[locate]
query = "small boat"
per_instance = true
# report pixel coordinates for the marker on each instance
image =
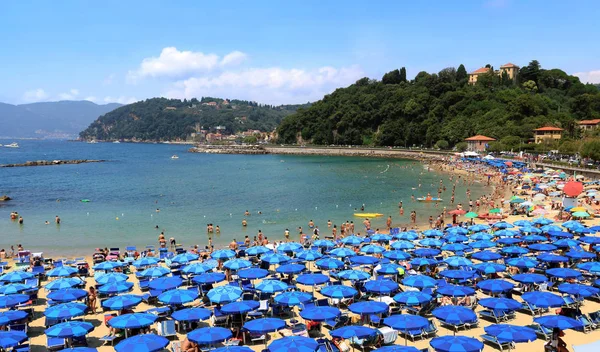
(116, 142)
(12, 145)
(429, 199)
(368, 215)
(93, 141)
(174, 157)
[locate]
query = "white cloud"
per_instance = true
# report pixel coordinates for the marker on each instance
(270, 85)
(35, 95)
(588, 77)
(70, 95)
(109, 79)
(179, 64)
(92, 98)
(121, 99)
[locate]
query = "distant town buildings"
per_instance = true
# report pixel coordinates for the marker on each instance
(547, 133)
(510, 69)
(478, 143)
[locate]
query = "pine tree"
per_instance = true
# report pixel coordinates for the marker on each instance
(403, 74)
(461, 73)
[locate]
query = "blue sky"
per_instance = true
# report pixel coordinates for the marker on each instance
(273, 51)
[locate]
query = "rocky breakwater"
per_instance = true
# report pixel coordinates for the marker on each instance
(228, 149)
(52, 162)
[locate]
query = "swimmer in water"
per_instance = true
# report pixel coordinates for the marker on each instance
(157, 210)
(311, 224)
(244, 223)
(247, 213)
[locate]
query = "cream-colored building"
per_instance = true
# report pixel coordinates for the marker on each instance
(587, 125)
(547, 133)
(478, 143)
(511, 70)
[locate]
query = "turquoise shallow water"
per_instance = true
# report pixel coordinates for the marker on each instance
(192, 191)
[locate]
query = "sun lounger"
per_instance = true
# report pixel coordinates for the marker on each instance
(108, 338)
(595, 317)
(493, 340)
(545, 333)
(55, 343)
(587, 323)
(166, 328)
(22, 348)
(430, 330)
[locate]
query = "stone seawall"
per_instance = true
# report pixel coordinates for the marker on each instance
(52, 162)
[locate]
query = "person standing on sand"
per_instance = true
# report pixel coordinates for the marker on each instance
(413, 217)
(92, 299)
(389, 222)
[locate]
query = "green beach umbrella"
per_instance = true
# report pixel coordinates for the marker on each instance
(495, 211)
(517, 200)
(581, 214)
(471, 215)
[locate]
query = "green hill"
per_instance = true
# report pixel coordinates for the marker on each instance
(162, 119)
(442, 108)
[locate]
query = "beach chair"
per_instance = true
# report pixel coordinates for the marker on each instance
(143, 284)
(219, 318)
(413, 334)
(595, 317)
(322, 347)
(587, 323)
(79, 341)
(18, 327)
(175, 346)
(430, 330)
(38, 271)
(570, 302)
(263, 307)
(545, 333)
(55, 343)
(109, 338)
(22, 348)
(34, 282)
(166, 328)
(501, 345)
(531, 309)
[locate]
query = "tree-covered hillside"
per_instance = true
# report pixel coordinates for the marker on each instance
(443, 109)
(161, 119)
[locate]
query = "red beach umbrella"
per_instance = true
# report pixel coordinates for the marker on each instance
(508, 163)
(457, 212)
(573, 189)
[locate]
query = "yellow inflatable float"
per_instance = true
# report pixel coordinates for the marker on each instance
(368, 215)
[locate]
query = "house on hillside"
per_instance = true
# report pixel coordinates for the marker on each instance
(478, 143)
(547, 133)
(212, 103)
(511, 70)
(170, 108)
(588, 125)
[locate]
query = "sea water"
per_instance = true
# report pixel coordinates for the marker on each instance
(140, 187)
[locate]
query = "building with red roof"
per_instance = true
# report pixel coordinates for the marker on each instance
(587, 125)
(478, 143)
(547, 133)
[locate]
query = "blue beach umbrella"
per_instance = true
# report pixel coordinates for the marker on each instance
(549, 228)
(486, 256)
(503, 304)
(156, 271)
(578, 290)
(563, 273)
(530, 229)
(293, 344)
(372, 249)
(67, 295)
(132, 321)
(195, 269)
(503, 225)
(419, 281)
(363, 260)
(405, 322)
(142, 343)
(509, 241)
(457, 231)
(390, 269)
(456, 247)
(381, 286)
(165, 283)
(592, 267)
(11, 316)
(368, 307)
(431, 242)
(458, 274)
(514, 250)
(423, 261)
(489, 268)
(178, 296)
(412, 298)
(257, 250)
(324, 244)
(111, 278)
(61, 284)
(312, 279)
(352, 240)
(117, 287)
(456, 344)
(121, 302)
(275, 258)
(16, 276)
(223, 254)
(348, 332)
(505, 233)
(566, 243)
(543, 299)
(523, 263)
(342, 252)
(495, 286)
(329, 263)
(309, 255)
(381, 237)
(145, 262)
(253, 273)
(61, 271)
(12, 338)
(224, 294)
(291, 268)
(320, 313)
(289, 247)
(65, 311)
(209, 278)
(293, 298)
(480, 236)
(578, 255)
(69, 329)
(11, 289)
(396, 255)
(478, 227)
(339, 291)
(552, 258)
(400, 245)
(406, 236)
(10, 301)
(264, 325)
(456, 239)
(455, 315)
(542, 247)
(506, 333)
(107, 266)
(542, 221)
(571, 224)
(272, 286)
(560, 234)
(590, 239)
(354, 275)
(433, 233)
(455, 291)
(521, 223)
(237, 264)
(530, 278)
(426, 252)
(191, 314)
(457, 261)
(558, 321)
(184, 258)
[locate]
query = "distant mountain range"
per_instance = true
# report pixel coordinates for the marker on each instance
(60, 119)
